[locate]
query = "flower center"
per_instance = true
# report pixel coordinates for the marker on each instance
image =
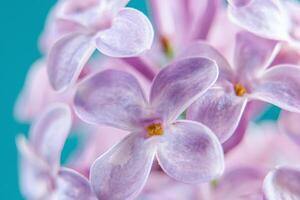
(155, 129)
(167, 47)
(239, 89)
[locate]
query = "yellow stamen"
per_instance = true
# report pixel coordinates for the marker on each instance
(155, 129)
(239, 90)
(167, 47)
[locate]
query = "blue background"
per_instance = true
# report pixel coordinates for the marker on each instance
(21, 24)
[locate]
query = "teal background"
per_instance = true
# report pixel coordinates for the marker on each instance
(21, 23)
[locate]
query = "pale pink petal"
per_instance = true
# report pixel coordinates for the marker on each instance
(265, 18)
(289, 124)
(280, 85)
(70, 185)
(112, 98)
(172, 20)
(35, 182)
(178, 85)
(160, 186)
(191, 153)
(122, 172)
(239, 184)
(36, 89)
(204, 15)
(220, 110)
(85, 13)
(253, 54)
(282, 183)
(67, 58)
(131, 34)
(50, 131)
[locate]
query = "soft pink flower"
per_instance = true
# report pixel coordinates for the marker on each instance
(40, 171)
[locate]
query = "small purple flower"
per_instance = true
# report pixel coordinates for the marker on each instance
(40, 171)
(103, 24)
(272, 19)
(282, 183)
(251, 78)
(186, 150)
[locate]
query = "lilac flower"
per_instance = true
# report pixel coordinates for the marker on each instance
(251, 78)
(271, 19)
(40, 171)
(115, 31)
(186, 150)
(282, 183)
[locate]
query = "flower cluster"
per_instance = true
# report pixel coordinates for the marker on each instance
(164, 111)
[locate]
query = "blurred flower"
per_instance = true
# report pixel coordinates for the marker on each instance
(41, 174)
(272, 19)
(289, 124)
(186, 150)
(264, 148)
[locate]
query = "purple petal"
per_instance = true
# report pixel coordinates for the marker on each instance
(282, 183)
(178, 85)
(203, 49)
(122, 172)
(67, 58)
(280, 85)
(289, 124)
(50, 131)
(131, 34)
(191, 153)
(253, 54)
(112, 98)
(220, 110)
(70, 185)
(265, 18)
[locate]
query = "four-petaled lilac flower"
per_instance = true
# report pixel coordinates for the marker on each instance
(251, 78)
(282, 183)
(186, 150)
(40, 171)
(103, 24)
(270, 19)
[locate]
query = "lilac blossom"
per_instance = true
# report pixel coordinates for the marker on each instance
(40, 171)
(272, 19)
(106, 25)
(250, 78)
(186, 150)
